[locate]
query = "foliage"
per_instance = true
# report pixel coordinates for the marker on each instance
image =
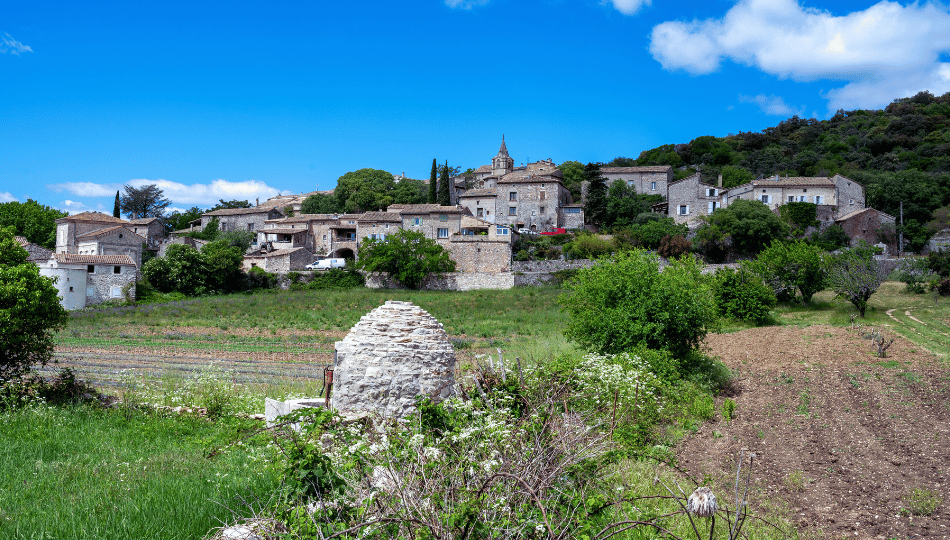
(180, 270)
(855, 274)
(915, 274)
(624, 204)
(922, 501)
(539, 247)
(648, 233)
(672, 247)
(728, 410)
(938, 262)
(409, 191)
(228, 205)
(30, 312)
(573, 172)
(735, 176)
(595, 208)
(832, 238)
(117, 208)
(221, 265)
(943, 287)
(31, 220)
(320, 203)
(364, 190)
(749, 225)
(587, 246)
(337, 278)
(799, 215)
(433, 182)
(143, 202)
(258, 278)
(443, 196)
(741, 294)
(621, 303)
(238, 238)
(209, 232)
(178, 221)
(407, 256)
(791, 268)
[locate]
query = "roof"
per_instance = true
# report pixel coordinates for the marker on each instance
(21, 240)
(782, 181)
(645, 169)
(107, 230)
(303, 218)
(381, 216)
(275, 253)
(93, 216)
(483, 169)
(143, 221)
(529, 177)
(282, 230)
(121, 260)
(34, 252)
(424, 209)
(850, 215)
(239, 211)
(503, 150)
(482, 192)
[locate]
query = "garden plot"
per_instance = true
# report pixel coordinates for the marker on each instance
(858, 446)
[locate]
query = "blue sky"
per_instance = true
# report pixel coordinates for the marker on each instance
(242, 100)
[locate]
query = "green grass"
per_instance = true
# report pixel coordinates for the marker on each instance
(87, 474)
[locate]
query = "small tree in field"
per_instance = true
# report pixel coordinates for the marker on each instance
(790, 268)
(625, 302)
(855, 274)
(30, 311)
(407, 256)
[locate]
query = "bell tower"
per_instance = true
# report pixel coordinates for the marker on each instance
(502, 164)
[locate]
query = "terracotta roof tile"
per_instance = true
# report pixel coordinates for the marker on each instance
(107, 230)
(94, 259)
(381, 216)
(483, 192)
(93, 216)
(645, 169)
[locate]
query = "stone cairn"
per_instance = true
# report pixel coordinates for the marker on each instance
(394, 354)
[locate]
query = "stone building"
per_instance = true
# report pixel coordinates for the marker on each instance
(940, 241)
(241, 219)
(650, 180)
(85, 280)
(35, 253)
(377, 225)
(572, 216)
(394, 355)
(689, 199)
(95, 233)
(279, 260)
(870, 225)
(149, 228)
(434, 221)
(843, 194)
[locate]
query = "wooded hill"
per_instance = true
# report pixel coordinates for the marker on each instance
(900, 154)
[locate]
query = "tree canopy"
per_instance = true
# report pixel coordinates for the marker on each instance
(748, 226)
(407, 256)
(31, 220)
(573, 178)
(596, 207)
(320, 203)
(143, 202)
(364, 190)
(30, 312)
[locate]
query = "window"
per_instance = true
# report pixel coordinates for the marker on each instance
(684, 209)
(713, 205)
(250, 226)
(711, 192)
(542, 185)
(478, 212)
(443, 217)
(818, 199)
(652, 186)
(572, 210)
(765, 199)
(802, 198)
(543, 193)
(502, 231)
(852, 201)
(513, 196)
(115, 292)
(324, 238)
(443, 233)
(70, 289)
(417, 221)
(120, 235)
(91, 268)
(791, 198)
(116, 269)
(805, 190)
(541, 210)
(387, 226)
(512, 210)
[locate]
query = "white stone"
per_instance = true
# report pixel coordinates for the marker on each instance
(273, 409)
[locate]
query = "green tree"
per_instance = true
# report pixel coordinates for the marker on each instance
(791, 268)
(626, 302)
(143, 202)
(177, 221)
(407, 256)
(433, 179)
(409, 191)
(595, 208)
(180, 270)
(733, 176)
(364, 190)
(227, 205)
(239, 238)
(320, 203)
(445, 178)
(573, 172)
(221, 264)
(30, 311)
(741, 294)
(855, 275)
(749, 225)
(117, 208)
(31, 220)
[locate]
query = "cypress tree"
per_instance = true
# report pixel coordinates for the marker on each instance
(432, 180)
(444, 198)
(116, 210)
(595, 206)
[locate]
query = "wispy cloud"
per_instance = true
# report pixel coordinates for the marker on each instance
(627, 7)
(202, 195)
(883, 52)
(5, 196)
(465, 4)
(12, 46)
(772, 104)
(75, 207)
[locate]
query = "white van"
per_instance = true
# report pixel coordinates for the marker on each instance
(326, 264)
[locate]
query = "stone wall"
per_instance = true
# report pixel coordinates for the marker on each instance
(455, 281)
(550, 266)
(100, 284)
(476, 254)
(694, 195)
(850, 195)
(537, 204)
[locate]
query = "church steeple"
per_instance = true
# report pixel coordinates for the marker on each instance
(502, 164)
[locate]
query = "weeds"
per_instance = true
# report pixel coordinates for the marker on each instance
(921, 501)
(795, 481)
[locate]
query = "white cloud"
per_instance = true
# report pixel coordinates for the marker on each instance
(76, 207)
(465, 4)
(627, 7)
(5, 196)
(772, 104)
(884, 52)
(12, 46)
(202, 195)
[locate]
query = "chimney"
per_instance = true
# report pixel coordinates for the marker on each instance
(719, 183)
(258, 201)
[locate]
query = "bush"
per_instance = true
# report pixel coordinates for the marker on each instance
(407, 256)
(791, 268)
(587, 246)
(938, 262)
(832, 238)
(915, 274)
(337, 278)
(943, 287)
(855, 274)
(749, 225)
(258, 278)
(673, 247)
(742, 295)
(626, 302)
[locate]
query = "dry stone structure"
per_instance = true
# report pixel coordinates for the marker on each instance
(395, 353)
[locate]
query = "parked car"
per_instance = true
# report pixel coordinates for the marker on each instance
(526, 231)
(555, 231)
(326, 264)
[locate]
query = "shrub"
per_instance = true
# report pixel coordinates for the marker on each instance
(587, 246)
(258, 278)
(790, 268)
(915, 274)
(855, 274)
(939, 262)
(337, 278)
(407, 256)
(749, 225)
(728, 410)
(619, 304)
(672, 247)
(943, 287)
(741, 294)
(833, 238)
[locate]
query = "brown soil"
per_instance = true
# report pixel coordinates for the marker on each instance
(841, 436)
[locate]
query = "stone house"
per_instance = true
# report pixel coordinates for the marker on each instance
(85, 280)
(650, 180)
(940, 241)
(481, 246)
(187, 240)
(434, 221)
(480, 202)
(572, 216)
(377, 225)
(689, 199)
(95, 233)
(870, 225)
(843, 194)
(241, 219)
(151, 229)
(281, 260)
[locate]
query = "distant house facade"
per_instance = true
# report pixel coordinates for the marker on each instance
(241, 219)
(85, 280)
(94, 233)
(871, 226)
(689, 199)
(649, 180)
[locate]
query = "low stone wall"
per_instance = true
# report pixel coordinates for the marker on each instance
(550, 266)
(455, 281)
